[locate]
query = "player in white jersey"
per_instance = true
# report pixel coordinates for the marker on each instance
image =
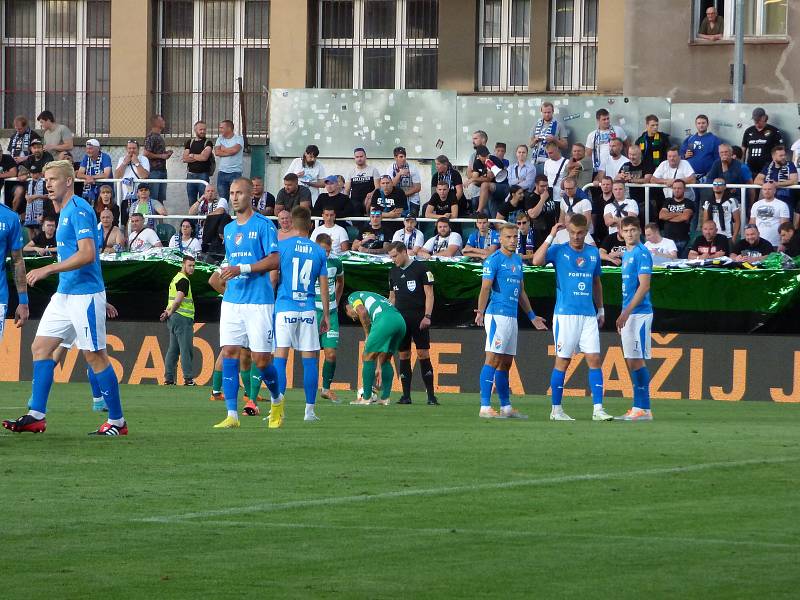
(303, 263)
(76, 311)
(246, 314)
(578, 313)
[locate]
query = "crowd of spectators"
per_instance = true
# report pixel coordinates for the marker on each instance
(541, 183)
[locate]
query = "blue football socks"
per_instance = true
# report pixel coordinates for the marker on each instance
(487, 381)
(557, 386)
(503, 387)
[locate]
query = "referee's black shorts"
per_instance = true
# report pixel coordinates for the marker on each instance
(421, 337)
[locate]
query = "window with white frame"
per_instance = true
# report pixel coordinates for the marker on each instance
(204, 47)
(573, 45)
(504, 44)
(377, 44)
(762, 18)
(56, 56)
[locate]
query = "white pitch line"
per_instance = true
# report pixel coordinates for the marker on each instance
(495, 533)
(464, 489)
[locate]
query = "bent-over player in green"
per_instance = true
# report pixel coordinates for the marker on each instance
(384, 328)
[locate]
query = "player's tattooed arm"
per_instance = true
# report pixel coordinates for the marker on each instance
(19, 271)
(22, 312)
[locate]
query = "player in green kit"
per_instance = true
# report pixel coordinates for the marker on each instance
(385, 328)
(329, 341)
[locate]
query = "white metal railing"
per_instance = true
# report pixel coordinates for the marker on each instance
(742, 187)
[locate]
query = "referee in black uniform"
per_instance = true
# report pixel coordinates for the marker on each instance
(411, 292)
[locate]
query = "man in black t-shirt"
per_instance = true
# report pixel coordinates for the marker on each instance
(758, 141)
(514, 204)
(752, 248)
(391, 200)
(677, 215)
(360, 183)
(790, 239)
(374, 238)
(332, 198)
(542, 209)
(411, 292)
(197, 154)
(8, 168)
(612, 249)
(44, 242)
(711, 244)
(636, 171)
(443, 203)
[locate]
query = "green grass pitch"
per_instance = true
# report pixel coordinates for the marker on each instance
(399, 501)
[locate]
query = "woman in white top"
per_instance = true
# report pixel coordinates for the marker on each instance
(185, 241)
(310, 172)
(132, 166)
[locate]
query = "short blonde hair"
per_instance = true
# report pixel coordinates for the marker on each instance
(505, 226)
(64, 167)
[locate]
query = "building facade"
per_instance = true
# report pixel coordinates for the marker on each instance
(104, 66)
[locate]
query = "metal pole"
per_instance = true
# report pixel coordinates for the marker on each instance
(738, 53)
(646, 204)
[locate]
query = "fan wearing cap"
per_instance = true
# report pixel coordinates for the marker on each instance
(332, 198)
(95, 165)
(142, 204)
(374, 238)
(30, 170)
(759, 139)
(412, 238)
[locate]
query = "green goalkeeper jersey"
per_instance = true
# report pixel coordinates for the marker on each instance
(335, 269)
(377, 306)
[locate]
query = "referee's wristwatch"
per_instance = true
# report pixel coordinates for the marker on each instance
(426, 317)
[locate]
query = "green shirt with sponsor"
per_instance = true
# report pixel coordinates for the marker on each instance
(377, 306)
(335, 269)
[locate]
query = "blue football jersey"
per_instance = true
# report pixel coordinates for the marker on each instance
(77, 221)
(636, 262)
(505, 272)
(10, 240)
(575, 273)
(476, 240)
(247, 244)
(302, 263)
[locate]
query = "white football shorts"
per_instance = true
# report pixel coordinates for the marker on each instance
(636, 336)
(298, 330)
(501, 334)
(576, 333)
(76, 317)
(247, 325)
(3, 309)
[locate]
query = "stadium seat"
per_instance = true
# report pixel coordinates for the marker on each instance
(165, 231)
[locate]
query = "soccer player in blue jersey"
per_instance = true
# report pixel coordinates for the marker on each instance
(503, 290)
(579, 311)
(636, 319)
(78, 308)
(11, 243)
(303, 263)
(247, 310)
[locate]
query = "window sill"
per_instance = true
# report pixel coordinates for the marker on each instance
(731, 41)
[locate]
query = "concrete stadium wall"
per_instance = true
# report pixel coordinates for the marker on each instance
(717, 367)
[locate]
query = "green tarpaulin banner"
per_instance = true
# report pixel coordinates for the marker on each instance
(685, 299)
